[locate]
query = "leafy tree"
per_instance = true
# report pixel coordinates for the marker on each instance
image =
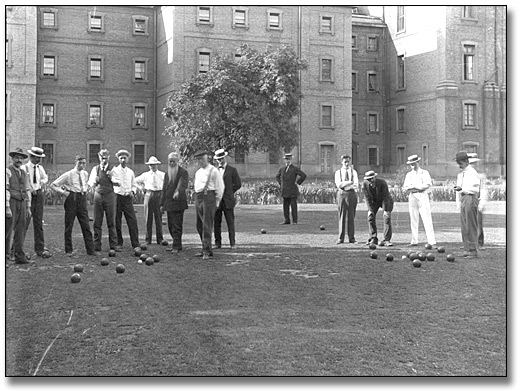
(249, 104)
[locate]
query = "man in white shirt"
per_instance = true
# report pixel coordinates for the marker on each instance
(209, 188)
(467, 190)
(125, 189)
(347, 183)
(416, 184)
(73, 185)
(152, 183)
(482, 196)
(37, 178)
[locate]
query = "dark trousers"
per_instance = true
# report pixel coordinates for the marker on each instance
(152, 208)
(37, 206)
(76, 207)
(287, 203)
(230, 218)
(15, 229)
(372, 225)
(205, 212)
(480, 216)
(346, 206)
(468, 222)
(175, 225)
(125, 207)
(104, 204)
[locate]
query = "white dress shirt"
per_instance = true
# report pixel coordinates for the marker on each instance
(151, 180)
(417, 179)
(124, 177)
(41, 176)
(346, 175)
(73, 181)
(215, 181)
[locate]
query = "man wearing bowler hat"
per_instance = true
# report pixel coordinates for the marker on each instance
(104, 201)
(347, 183)
(18, 206)
(37, 178)
(416, 185)
(125, 189)
(482, 196)
(289, 177)
(467, 190)
(377, 195)
(232, 184)
(152, 183)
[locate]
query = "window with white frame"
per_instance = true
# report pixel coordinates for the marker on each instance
(8, 105)
(48, 114)
(373, 156)
(372, 122)
(9, 51)
(48, 64)
(469, 12)
(239, 17)
(327, 158)
(95, 114)
(372, 43)
(96, 22)
(401, 25)
(274, 19)
(326, 24)
(48, 147)
(139, 115)
(93, 148)
(326, 69)
(372, 81)
(204, 15)
(48, 18)
(95, 66)
(355, 85)
(326, 115)
(139, 153)
(401, 85)
(469, 62)
(401, 154)
(469, 114)
(140, 70)
(400, 124)
(140, 25)
(203, 60)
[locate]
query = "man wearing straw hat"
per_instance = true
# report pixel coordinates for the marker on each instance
(482, 196)
(125, 189)
(152, 183)
(416, 184)
(467, 190)
(37, 178)
(104, 201)
(232, 184)
(377, 195)
(18, 206)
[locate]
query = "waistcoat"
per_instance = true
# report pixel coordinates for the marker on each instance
(17, 184)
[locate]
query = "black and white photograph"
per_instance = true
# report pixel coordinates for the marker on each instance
(228, 192)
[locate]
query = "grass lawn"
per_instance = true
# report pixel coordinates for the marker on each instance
(286, 303)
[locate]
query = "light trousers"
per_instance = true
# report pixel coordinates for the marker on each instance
(419, 204)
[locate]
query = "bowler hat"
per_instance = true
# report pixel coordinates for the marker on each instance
(473, 157)
(123, 152)
(153, 161)
(221, 153)
(369, 174)
(412, 159)
(461, 156)
(37, 152)
(200, 153)
(18, 151)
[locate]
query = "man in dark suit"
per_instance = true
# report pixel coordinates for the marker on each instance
(232, 184)
(288, 178)
(174, 199)
(376, 195)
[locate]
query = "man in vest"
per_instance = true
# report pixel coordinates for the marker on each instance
(152, 182)
(347, 183)
(289, 177)
(37, 178)
(104, 201)
(18, 206)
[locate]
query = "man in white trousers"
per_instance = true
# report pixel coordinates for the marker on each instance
(416, 184)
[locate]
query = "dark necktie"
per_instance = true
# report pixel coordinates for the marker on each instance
(81, 182)
(34, 173)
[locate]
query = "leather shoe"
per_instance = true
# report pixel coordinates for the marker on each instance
(284, 223)
(200, 254)
(339, 242)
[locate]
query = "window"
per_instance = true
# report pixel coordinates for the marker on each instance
(355, 86)
(273, 157)
(239, 155)
(470, 147)
(401, 155)
(204, 15)
(469, 120)
(95, 66)
(139, 153)
(239, 17)
(49, 153)
(372, 81)
(203, 60)
(355, 129)
(274, 19)
(327, 153)
(139, 115)
(400, 19)
(354, 42)
(326, 73)
(92, 153)
(8, 105)
(372, 122)
(140, 70)
(400, 120)
(95, 114)
(469, 12)
(48, 114)
(469, 65)
(48, 18)
(326, 116)
(9, 51)
(373, 156)
(400, 72)
(48, 66)
(96, 22)
(372, 43)
(327, 24)
(140, 25)
(424, 155)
